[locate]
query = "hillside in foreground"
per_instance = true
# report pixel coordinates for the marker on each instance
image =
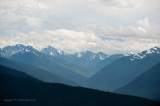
(19, 87)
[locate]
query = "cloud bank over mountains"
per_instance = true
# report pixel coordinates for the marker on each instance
(110, 26)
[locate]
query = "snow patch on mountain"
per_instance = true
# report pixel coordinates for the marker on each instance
(143, 54)
(101, 58)
(93, 57)
(79, 55)
(11, 50)
(27, 50)
(85, 55)
(52, 51)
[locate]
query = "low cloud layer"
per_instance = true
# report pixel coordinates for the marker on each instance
(75, 41)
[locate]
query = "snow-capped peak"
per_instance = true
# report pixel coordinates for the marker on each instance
(90, 56)
(153, 50)
(29, 49)
(52, 51)
(60, 52)
(19, 48)
(101, 58)
(143, 54)
(101, 55)
(93, 57)
(10, 50)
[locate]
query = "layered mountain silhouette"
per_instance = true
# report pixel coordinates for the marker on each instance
(145, 85)
(36, 72)
(84, 59)
(20, 89)
(93, 62)
(107, 61)
(124, 70)
(33, 57)
(123, 74)
(80, 65)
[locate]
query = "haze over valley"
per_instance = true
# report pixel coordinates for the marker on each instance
(80, 52)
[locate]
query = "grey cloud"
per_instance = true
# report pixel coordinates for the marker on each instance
(75, 41)
(81, 24)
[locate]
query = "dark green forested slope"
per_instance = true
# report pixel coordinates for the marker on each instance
(19, 86)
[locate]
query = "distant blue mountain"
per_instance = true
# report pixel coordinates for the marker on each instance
(84, 63)
(35, 72)
(86, 55)
(92, 62)
(31, 56)
(107, 61)
(146, 85)
(52, 51)
(124, 70)
(20, 89)
(87, 63)
(10, 50)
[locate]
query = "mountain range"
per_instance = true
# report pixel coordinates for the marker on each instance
(36, 72)
(114, 73)
(20, 89)
(85, 63)
(93, 62)
(124, 70)
(30, 56)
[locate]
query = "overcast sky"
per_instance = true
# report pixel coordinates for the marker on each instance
(110, 26)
